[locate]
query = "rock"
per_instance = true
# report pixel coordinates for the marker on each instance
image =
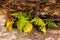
(54, 31)
(49, 38)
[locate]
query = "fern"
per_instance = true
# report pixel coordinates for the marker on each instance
(24, 22)
(22, 19)
(20, 24)
(20, 15)
(50, 24)
(40, 23)
(28, 27)
(9, 24)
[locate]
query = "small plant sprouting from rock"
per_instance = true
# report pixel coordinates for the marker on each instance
(9, 23)
(50, 24)
(40, 23)
(24, 22)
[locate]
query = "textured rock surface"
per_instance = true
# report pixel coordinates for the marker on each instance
(32, 6)
(34, 35)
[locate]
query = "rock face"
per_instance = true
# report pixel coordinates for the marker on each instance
(34, 35)
(34, 7)
(11, 35)
(3, 13)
